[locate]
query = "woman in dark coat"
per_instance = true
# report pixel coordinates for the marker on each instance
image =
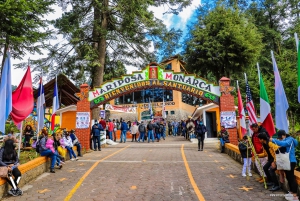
(9, 159)
(28, 133)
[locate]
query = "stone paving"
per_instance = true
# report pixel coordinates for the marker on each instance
(149, 172)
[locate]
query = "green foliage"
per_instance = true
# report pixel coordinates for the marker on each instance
(102, 35)
(22, 28)
(224, 42)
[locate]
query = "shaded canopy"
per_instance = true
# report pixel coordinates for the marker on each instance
(66, 91)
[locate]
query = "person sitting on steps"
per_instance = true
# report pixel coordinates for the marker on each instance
(224, 138)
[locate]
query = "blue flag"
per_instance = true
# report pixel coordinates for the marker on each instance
(281, 103)
(5, 93)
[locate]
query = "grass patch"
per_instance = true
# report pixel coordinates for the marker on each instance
(26, 156)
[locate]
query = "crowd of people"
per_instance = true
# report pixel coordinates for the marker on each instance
(142, 131)
(268, 150)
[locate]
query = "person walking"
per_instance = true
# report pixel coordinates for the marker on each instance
(124, 129)
(96, 129)
(142, 131)
(289, 143)
(269, 168)
(200, 132)
(190, 127)
(150, 131)
(134, 130)
(9, 158)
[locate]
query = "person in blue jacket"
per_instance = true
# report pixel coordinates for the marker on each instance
(124, 129)
(289, 143)
(96, 134)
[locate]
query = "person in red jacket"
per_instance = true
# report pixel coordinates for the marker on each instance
(110, 129)
(259, 148)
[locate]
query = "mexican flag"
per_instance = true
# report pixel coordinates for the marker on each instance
(265, 109)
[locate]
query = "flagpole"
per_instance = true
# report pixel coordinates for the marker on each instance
(297, 40)
(39, 113)
(19, 148)
(258, 71)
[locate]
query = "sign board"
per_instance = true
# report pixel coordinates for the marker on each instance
(102, 114)
(228, 119)
(117, 108)
(154, 76)
(82, 120)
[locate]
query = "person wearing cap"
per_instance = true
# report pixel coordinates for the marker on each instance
(270, 167)
(259, 148)
(289, 143)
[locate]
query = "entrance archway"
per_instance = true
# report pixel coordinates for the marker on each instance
(154, 76)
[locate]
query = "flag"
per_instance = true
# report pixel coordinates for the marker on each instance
(55, 105)
(5, 93)
(40, 106)
(150, 109)
(298, 64)
(281, 103)
(265, 109)
(22, 99)
(241, 112)
(249, 104)
(164, 109)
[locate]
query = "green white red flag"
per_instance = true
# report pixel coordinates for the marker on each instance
(265, 109)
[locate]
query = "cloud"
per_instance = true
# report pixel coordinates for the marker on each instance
(179, 21)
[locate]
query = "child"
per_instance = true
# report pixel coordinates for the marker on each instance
(49, 144)
(246, 155)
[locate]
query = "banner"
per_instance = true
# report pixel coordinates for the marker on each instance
(117, 108)
(228, 119)
(102, 114)
(82, 119)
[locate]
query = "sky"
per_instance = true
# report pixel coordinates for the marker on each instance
(179, 21)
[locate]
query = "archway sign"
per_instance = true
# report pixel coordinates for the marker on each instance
(154, 76)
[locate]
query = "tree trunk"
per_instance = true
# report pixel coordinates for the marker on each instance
(99, 71)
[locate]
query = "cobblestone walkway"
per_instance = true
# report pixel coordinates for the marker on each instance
(134, 171)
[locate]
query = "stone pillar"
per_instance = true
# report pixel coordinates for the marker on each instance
(227, 105)
(83, 105)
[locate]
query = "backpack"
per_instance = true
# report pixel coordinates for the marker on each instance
(118, 126)
(150, 126)
(37, 146)
(142, 128)
(160, 128)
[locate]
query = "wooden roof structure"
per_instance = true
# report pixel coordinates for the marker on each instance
(66, 91)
